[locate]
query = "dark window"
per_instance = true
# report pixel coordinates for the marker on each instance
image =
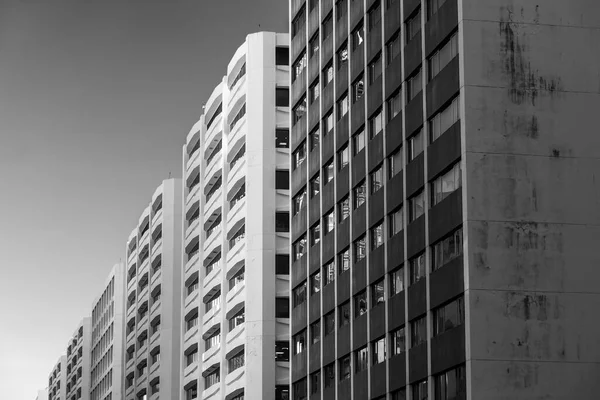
(344, 261)
(396, 281)
(413, 25)
(358, 36)
(361, 359)
(432, 7)
(358, 89)
(315, 185)
(282, 138)
(282, 179)
(299, 111)
(282, 307)
(416, 206)
(450, 385)
(300, 391)
(315, 137)
(418, 331)
(315, 283)
(315, 382)
(378, 350)
(344, 314)
(313, 4)
(329, 375)
(313, 46)
(344, 368)
(299, 294)
(315, 332)
(416, 268)
(419, 390)
(327, 26)
(298, 67)
(299, 22)
(375, 69)
(413, 86)
(448, 316)
(328, 172)
(374, 15)
(360, 304)
(328, 273)
(398, 341)
(282, 392)
(328, 323)
(392, 49)
(342, 56)
(299, 342)
(282, 97)
(282, 221)
(282, 56)
(377, 293)
(282, 264)
(315, 234)
(447, 249)
(282, 350)
(341, 7)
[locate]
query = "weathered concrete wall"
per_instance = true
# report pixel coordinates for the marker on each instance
(531, 143)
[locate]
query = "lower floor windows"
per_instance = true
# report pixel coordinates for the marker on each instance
(418, 331)
(362, 360)
(344, 368)
(419, 390)
(448, 316)
(398, 341)
(212, 378)
(300, 391)
(450, 385)
(236, 361)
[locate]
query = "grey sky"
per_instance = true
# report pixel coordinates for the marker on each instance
(96, 99)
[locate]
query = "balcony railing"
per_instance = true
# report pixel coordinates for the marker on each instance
(212, 230)
(236, 240)
(192, 254)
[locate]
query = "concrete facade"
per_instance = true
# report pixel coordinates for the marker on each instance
(153, 298)
(57, 381)
(531, 91)
(78, 362)
(236, 227)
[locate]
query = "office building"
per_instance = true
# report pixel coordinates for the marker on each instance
(106, 359)
(57, 381)
(78, 362)
(444, 202)
(153, 298)
(235, 284)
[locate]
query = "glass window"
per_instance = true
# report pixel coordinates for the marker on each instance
(377, 236)
(315, 234)
(300, 390)
(394, 105)
(415, 145)
(375, 69)
(299, 294)
(236, 362)
(329, 375)
(282, 56)
(282, 307)
(444, 119)
(282, 138)
(327, 26)
(413, 26)
(313, 46)
(282, 392)
(298, 67)
(342, 107)
(442, 57)
(396, 281)
(358, 89)
(418, 331)
(327, 74)
(416, 268)
(315, 332)
(447, 249)
(315, 138)
(360, 249)
(328, 273)
(395, 162)
(375, 124)
(398, 341)
(315, 382)
(328, 222)
(315, 186)
(376, 179)
(344, 313)
(362, 360)
(344, 261)
(343, 157)
(328, 323)
(328, 124)
(314, 91)
(446, 184)
(448, 316)
(360, 304)
(341, 7)
(299, 155)
(299, 201)
(282, 264)
(299, 111)
(413, 86)
(433, 6)
(377, 293)
(399, 394)
(299, 22)
(282, 221)
(342, 56)
(282, 350)
(328, 172)
(358, 142)
(416, 206)
(237, 320)
(374, 15)
(358, 36)
(360, 194)
(299, 248)
(450, 385)
(419, 390)
(299, 342)
(282, 97)
(344, 368)
(378, 347)
(343, 209)
(392, 48)
(212, 379)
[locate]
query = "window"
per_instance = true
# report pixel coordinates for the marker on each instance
(282, 138)
(315, 234)
(344, 314)
(447, 249)
(299, 342)
(328, 273)
(416, 268)
(239, 76)
(298, 67)
(362, 360)
(341, 7)
(328, 323)
(375, 69)
(450, 385)
(343, 209)
(444, 119)
(299, 111)
(396, 281)
(329, 375)
(193, 286)
(191, 393)
(282, 97)
(342, 106)
(358, 36)
(398, 341)
(448, 316)
(360, 248)
(299, 201)
(432, 7)
(190, 323)
(327, 74)
(213, 302)
(315, 382)
(237, 279)
(314, 138)
(375, 125)
(415, 145)
(314, 92)
(282, 392)
(315, 283)
(395, 163)
(344, 368)
(315, 332)
(418, 331)
(446, 184)
(282, 264)
(237, 118)
(328, 222)
(313, 46)
(413, 26)
(378, 347)
(377, 293)
(358, 89)
(212, 379)
(299, 22)
(236, 362)
(374, 15)
(392, 49)
(282, 307)
(315, 186)
(342, 56)
(360, 194)
(396, 221)
(282, 221)
(360, 304)
(299, 294)
(237, 320)
(358, 142)
(282, 56)
(213, 340)
(343, 157)
(413, 86)
(416, 206)
(344, 261)
(394, 106)
(282, 350)
(282, 180)
(377, 236)
(313, 4)
(239, 236)
(328, 172)
(327, 26)
(442, 57)
(376, 179)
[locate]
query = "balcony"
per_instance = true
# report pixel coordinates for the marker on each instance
(237, 252)
(193, 162)
(192, 196)
(212, 392)
(132, 257)
(213, 166)
(236, 379)
(157, 217)
(213, 209)
(235, 296)
(192, 226)
(237, 137)
(212, 278)
(237, 177)
(190, 302)
(215, 132)
(190, 334)
(145, 238)
(235, 337)
(209, 318)
(213, 240)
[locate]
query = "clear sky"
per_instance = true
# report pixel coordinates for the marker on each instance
(96, 99)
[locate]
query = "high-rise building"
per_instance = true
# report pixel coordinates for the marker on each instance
(235, 335)
(78, 362)
(444, 202)
(106, 382)
(57, 381)
(153, 298)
